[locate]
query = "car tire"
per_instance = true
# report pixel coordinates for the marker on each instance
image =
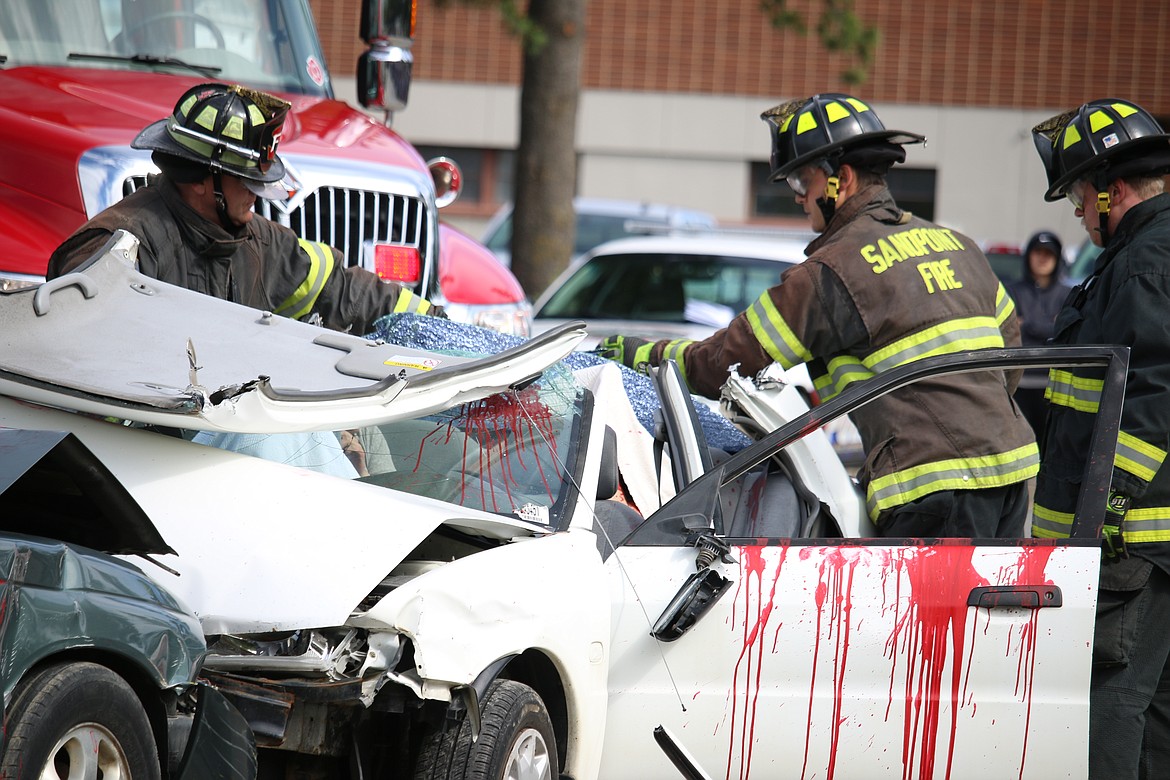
(516, 741)
(72, 716)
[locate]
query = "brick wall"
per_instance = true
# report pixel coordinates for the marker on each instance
(1007, 53)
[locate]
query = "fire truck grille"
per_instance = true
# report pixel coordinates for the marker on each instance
(347, 219)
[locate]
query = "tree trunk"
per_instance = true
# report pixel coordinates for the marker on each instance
(543, 224)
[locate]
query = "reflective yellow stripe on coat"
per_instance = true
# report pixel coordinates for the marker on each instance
(303, 299)
(674, 351)
(1142, 524)
(1076, 392)
(1083, 394)
(943, 339)
(774, 335)
(986, 471)
(410, 303)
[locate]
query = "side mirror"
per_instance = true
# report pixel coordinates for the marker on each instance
(384, 69)
(383, 77)
(696, 596)
(448, 180)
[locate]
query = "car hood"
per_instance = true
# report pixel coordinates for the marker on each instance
(110, 341)
(302, 552)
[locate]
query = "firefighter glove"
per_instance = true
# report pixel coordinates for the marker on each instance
(1113, 534)
(630, 351)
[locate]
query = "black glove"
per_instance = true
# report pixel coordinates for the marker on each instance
(630, 351)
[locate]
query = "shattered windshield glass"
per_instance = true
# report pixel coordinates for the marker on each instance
(264, 44)
(514, 453)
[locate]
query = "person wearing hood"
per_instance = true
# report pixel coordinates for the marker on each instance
(1039, 295)
(197, 228)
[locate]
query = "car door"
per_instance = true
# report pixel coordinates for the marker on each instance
(780, 656)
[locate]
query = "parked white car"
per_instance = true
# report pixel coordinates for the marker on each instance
(477, 595)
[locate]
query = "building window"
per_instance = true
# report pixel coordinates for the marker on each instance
(487, 177)
(912, 188)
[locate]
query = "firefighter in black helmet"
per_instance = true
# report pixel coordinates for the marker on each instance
(225, 130)
(822, 134)
(880, 288)
(197, 227)
(1108, 157)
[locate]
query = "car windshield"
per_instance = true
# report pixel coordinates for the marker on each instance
(702, 289)
(515, 453)
(264, 44)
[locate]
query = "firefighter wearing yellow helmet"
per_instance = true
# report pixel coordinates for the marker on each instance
(880, 288)
(197, 227)
(1108, 158)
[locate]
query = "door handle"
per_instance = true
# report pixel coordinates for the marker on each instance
(1026, 596)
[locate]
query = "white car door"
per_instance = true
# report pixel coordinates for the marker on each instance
(859, 659)
(783, 657)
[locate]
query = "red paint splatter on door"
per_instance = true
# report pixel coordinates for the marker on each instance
(930, 646)
(752, 568)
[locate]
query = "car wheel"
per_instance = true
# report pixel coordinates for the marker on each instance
(516, 741)
(78, 720)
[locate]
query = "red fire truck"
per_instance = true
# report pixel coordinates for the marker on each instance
(80, 78)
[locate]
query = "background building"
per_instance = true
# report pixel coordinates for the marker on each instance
(673, 90)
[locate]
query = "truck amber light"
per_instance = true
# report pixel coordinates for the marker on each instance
(396, 263)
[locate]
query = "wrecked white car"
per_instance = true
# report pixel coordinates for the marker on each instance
(410, 562)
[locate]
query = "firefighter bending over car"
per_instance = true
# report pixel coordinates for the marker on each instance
(949, 457)
(197, 228)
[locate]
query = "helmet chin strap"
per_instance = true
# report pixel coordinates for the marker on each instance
(828, 203)
(221, 202)
(1104, 204)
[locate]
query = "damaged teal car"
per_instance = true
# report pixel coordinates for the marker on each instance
(98, 663)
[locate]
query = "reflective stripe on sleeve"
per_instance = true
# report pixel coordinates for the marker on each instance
(1137, 457)
(303, 299)
(774, 335)
(674, 351)
(1147, 524)
(1076, 392)
(1004, 306)
(843, 370)
(1050, 524)
(987, 471)
(1142, 525)
(410, 303)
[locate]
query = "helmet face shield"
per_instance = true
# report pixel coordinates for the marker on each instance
(266, 190)
(800, 180)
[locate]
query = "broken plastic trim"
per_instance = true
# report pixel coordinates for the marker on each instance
(696, 596)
